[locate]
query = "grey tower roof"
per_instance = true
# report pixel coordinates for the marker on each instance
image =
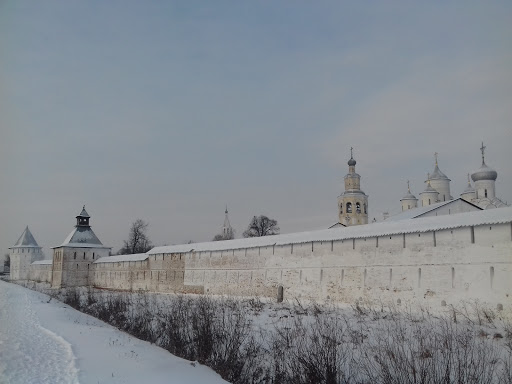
(484, 173)
(26, 240)
(82, 236)
(409, 195)
(83, 213)
(437, 174)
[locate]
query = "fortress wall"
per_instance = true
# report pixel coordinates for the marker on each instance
(438, 265)
(452, 264)
(122, 275)
(42, 273)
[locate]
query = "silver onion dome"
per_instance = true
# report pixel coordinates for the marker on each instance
(484, 173)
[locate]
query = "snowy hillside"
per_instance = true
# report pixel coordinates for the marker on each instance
(45, 341)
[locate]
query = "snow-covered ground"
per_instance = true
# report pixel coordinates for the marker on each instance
(46, 341)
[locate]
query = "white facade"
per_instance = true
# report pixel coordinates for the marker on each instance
(438, 188)
(22, 254)
(353, 202)
(72, 260)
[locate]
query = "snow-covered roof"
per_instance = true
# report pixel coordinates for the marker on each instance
(43, 262)
(386, 228)
(416, 212)
(26, 240)
(119, 258)
(437, 174)
(82, 237)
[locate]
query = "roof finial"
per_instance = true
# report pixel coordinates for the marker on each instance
(435, 156)
(226, 209)
(482, 148)
(428, 179)
(469, 182)
(83, 207)
(351, 155)
(408, 187)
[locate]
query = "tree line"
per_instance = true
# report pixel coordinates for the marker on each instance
(138, 239)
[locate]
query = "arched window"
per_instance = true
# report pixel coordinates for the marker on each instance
(349, 207)
(74, 257)
(364, 205)
(341, 208)
(358, 207)
(485, 192)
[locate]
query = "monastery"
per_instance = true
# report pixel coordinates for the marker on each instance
(439, 251)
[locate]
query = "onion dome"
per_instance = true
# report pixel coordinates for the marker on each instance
(437, 174)
(484, 172)
(351, 162)
(408, 195)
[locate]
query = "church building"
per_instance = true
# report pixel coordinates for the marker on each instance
(437, 193)
(352, 203)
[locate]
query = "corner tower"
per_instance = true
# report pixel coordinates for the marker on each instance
(352, 203)
(22, 254)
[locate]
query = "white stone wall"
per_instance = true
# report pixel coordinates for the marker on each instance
(41, 273)
(73, 265)
(441, 265)
(21, 258)
(450, 264)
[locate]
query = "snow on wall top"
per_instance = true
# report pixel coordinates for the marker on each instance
(82, 237)
(119, 258)
(43, 262)
(386, 228)
(26, 240)
(416, 212)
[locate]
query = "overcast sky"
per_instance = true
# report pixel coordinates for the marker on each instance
(168, 110)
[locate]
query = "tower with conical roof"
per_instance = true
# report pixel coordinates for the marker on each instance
(409, 201)
(227, 230)
(353, 202)
(72, 259)
(22, 254)
(440, 182)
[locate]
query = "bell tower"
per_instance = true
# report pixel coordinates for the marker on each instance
(352, 203)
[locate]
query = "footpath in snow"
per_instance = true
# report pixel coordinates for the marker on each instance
(45, 341)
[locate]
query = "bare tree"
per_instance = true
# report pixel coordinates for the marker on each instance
(138, 240)
(261, 226)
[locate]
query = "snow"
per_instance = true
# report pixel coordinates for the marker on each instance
(82, 237)
(43, 262)
(114, 259)
(386, 228)
(45, 341)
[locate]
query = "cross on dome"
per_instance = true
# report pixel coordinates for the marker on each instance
(482, 149)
